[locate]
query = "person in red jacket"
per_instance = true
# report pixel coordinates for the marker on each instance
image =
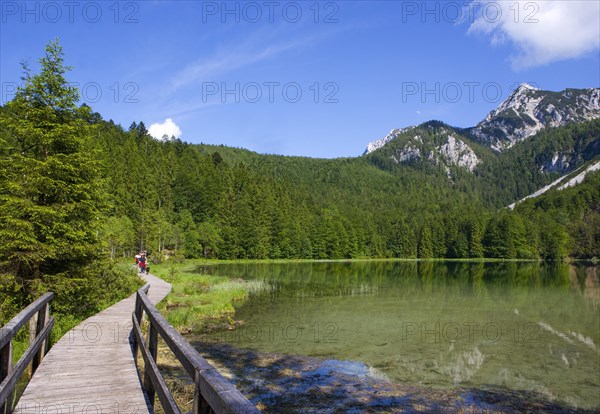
(142, 263)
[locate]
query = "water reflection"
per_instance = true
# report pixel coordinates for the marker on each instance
(526, 326)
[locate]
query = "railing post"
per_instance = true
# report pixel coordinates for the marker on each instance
(42, 320)
(40, 327)
(137, 314)
(5, 369)
(210, 386)
(139, 308)
(200, 405)
(153, 349)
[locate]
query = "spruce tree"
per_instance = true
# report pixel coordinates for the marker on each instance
(51, 192)
(425, 249)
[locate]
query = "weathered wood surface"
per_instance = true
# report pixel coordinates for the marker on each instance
(8, 331)
(213, 393)
(40, 323)
(91, 369)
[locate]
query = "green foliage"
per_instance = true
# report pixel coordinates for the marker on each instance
(198, 300)
(59, 220)
(51, 190)
(227, 203)
(52, 201)
(425, 250)
(118, 233)
(10, 297)
(537, 161)
(507, 236)
(568, 221)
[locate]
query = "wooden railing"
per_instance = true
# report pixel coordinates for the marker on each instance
(213, 393)
(38, 346)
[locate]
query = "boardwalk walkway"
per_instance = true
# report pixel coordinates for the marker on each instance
(91, 369)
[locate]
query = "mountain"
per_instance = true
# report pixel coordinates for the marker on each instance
(394, 133)
(526, 112)
(432, 146)
(538, 161)
(529, 110)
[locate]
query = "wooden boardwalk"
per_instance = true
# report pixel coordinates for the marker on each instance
(91, 369)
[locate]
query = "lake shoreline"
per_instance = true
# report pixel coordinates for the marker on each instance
(270, 378)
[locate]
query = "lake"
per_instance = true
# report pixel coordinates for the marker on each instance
(512, 325)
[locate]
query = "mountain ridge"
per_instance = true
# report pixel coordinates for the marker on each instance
(527, 111)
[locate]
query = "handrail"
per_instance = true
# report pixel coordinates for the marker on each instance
(38, 347)
(213, 393)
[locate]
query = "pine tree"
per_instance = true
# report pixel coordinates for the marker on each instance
(475, 239)
(425, 249)
(51, 191)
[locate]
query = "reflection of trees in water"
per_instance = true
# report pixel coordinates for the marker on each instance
(409, 278)
(426, 275)
(374, 303)
(586, 281)
(477, 271)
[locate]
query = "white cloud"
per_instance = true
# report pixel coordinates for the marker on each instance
(168, 128)
(543, 31)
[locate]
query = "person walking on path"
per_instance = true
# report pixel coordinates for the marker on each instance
(143, 262)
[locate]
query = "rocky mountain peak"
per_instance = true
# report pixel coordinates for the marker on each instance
(529, 110)
(524, 113)
(374, 145)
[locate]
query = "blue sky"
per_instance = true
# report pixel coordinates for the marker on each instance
(319, 79)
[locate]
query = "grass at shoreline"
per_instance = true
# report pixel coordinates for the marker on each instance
(200, 302)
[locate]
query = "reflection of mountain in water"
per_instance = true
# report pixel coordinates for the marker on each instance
(523, 326)
(280, 383)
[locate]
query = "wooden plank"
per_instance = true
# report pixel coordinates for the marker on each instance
(92, 366)
(200, 405)
(220, 394)
(189, 358)
(8, 384)
(73, 406)
(150, 351)
(42, 320)
(5, 370)
(8, 331)
(153, 375)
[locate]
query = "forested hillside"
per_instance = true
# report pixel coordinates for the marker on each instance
(497, 178)
(77, 190)
(222, 202)
(200, 201)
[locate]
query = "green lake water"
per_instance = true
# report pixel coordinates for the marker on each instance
(521, 326)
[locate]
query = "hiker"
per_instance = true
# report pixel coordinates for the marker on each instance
(143, 263)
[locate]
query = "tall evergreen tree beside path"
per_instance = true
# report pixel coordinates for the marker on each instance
(51, 190)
